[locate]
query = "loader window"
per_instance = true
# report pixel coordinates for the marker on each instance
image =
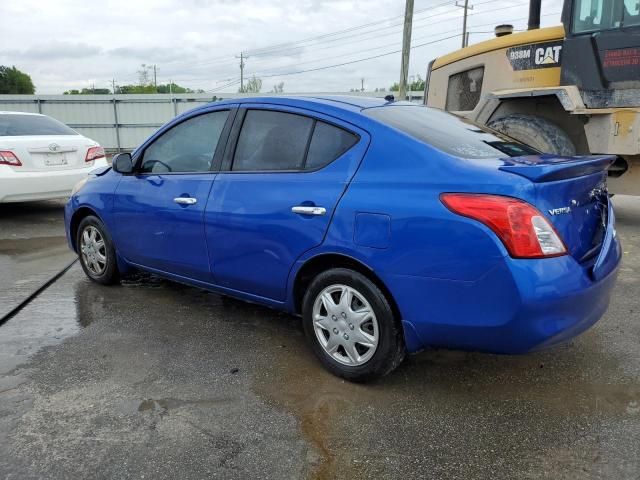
(631, 13)
(596, 15)
(463, 92)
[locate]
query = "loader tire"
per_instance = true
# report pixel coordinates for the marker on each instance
(537, 132)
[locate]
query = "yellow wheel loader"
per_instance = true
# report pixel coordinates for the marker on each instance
(566, 90)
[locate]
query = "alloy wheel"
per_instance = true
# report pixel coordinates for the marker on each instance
(93, 250)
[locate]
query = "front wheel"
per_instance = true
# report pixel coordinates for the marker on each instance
(96, 252)
(351, 326)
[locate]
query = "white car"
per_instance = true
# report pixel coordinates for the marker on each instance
(41, 158)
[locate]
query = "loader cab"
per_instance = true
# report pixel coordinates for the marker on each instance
(602, 51)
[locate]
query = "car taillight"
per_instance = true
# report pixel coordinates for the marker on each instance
(9, 158)
(94, 153)
(521, 227)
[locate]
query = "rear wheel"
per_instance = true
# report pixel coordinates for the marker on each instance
(96, 252)
(537, 132)
(351, 326)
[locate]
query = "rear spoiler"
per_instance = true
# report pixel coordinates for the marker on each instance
(549, 168)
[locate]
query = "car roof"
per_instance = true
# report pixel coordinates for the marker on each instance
(337, 102)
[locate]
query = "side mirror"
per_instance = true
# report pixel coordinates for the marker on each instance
(122, 163)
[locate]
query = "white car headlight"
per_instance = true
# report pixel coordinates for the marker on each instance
(78, 186)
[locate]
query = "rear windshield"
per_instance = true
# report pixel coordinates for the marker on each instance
(448, 132)
(12, 125)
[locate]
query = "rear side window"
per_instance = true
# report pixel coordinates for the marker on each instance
(275, 141)
(463, 92)
(272, 141)
(449, 133)
(327, 144)
(16, 125)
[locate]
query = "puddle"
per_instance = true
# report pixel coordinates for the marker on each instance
(33, 329)
(450, 390)
(25, 264)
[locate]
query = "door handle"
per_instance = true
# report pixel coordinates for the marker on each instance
(185, 200)
(307, 210)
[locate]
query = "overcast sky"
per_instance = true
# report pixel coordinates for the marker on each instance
(67, 44)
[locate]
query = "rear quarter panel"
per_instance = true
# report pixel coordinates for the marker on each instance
(432, 258)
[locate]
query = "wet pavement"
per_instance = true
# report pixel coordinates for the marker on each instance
(156, 380)
(32, 248)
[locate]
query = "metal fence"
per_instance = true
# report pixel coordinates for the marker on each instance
(122, 122)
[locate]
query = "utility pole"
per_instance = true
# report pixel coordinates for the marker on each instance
(113, 84)
(406, 48)
(465, 35)
(242, 58)
(155, 78)
(362, 83)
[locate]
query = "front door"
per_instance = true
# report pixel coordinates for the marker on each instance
(159, 210)
(284, 172)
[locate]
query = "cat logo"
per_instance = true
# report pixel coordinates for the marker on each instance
(548, 55)
(533, 57)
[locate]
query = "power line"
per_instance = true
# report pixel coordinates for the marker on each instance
(282, 74)
(291, 46)
(377, 36)
(347, 30)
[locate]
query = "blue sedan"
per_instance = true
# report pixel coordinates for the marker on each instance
(388, 227)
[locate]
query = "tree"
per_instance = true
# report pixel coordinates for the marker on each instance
(253, 85)
(13, 80)
(162, 88)
(173, 88)
(416, 86)
(88, 91)
(278, 88)
(143, 75)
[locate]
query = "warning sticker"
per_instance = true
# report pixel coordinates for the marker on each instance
(538, 55)
(621, 57)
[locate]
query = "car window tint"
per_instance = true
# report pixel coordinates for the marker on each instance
(14, 125)
(187, 147)
(272, 141)
(450, 133)
(327, 144)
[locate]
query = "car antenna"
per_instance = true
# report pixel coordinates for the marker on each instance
(390, 98)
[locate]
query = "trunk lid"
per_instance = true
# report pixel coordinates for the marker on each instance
(571, 192)
(47, 152)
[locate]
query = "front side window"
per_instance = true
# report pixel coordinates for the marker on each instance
(449, 133)
(16, 125)
(187, 147)
(595, 15)
(463, 92)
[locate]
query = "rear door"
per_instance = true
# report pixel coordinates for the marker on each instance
(284, 172)
(159, 210)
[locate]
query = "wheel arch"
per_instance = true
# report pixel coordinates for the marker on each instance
(549, 106)
(77, 217)
(326, 261)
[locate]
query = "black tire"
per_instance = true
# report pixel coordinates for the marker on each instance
(390, 350)
(537, 132)
(108, 275)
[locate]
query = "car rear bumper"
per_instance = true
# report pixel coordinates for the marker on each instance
(517, 307)
(16, 186)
